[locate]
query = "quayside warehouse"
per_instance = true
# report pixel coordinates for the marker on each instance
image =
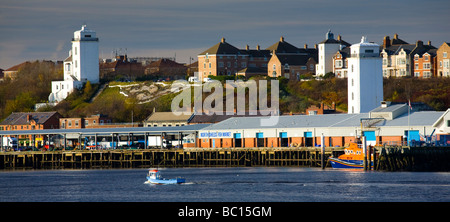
(387, 124)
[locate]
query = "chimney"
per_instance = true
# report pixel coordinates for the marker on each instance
(281, 39)
(396, 36)
(419, 43)
(247, 47)
(386, 42)
(306, 46)
(257, 47)
(315, 46)
(222, 40)
(339, 38)
(429, 43)
(29, 117)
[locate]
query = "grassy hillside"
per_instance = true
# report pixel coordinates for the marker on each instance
(122, 100)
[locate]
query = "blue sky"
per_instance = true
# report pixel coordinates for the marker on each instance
(42, 29)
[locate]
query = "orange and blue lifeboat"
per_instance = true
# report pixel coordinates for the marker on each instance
(353, 158)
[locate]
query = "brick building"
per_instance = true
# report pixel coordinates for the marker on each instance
(94, 121)
(30, 121)
(424, 62)
(225, 59)
(443, 60)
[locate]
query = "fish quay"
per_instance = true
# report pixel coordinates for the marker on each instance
(387, 158)
(145, 158)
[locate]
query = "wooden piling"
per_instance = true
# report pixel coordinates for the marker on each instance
(390, 158)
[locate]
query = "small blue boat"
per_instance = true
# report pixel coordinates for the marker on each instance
(154, 177)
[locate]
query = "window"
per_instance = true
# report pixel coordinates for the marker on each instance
(353, 82)
(445, 54)
(312, 112)
(221, 64)
(209, 65)
(274, 67)
(427, 66)
(87, 36)
(416, 66)
(416, 74)
(448, 123)
(76, 49)
(86, 122)
(76, 122)
(353, 96)
(402, 72)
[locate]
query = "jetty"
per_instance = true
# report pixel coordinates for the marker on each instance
(145, 158)
(387, 158)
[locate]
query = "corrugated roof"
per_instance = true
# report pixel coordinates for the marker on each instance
(425, 118)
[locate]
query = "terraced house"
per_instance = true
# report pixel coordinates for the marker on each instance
(399, 56)
(443, 60)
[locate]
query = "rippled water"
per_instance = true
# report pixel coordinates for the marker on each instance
(225, 185)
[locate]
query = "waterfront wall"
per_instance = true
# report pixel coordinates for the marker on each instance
(147, 158)
(414, 159)
(388, 158)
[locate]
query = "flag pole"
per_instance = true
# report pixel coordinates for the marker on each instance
(409, 111)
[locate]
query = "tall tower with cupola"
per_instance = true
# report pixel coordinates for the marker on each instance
(327, 49)
(365, 77)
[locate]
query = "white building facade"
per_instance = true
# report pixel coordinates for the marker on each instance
(81, 66)
(327, 49)
(365, 77)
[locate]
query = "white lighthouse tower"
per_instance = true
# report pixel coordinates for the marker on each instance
(81, 65)
(85, 55)
(365, 77)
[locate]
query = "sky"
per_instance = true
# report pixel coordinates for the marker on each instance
(42, 29)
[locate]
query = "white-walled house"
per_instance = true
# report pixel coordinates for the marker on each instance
(327, 49)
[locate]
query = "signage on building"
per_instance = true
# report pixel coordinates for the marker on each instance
(215, 135)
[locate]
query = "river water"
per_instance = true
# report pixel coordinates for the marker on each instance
(255, 184)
